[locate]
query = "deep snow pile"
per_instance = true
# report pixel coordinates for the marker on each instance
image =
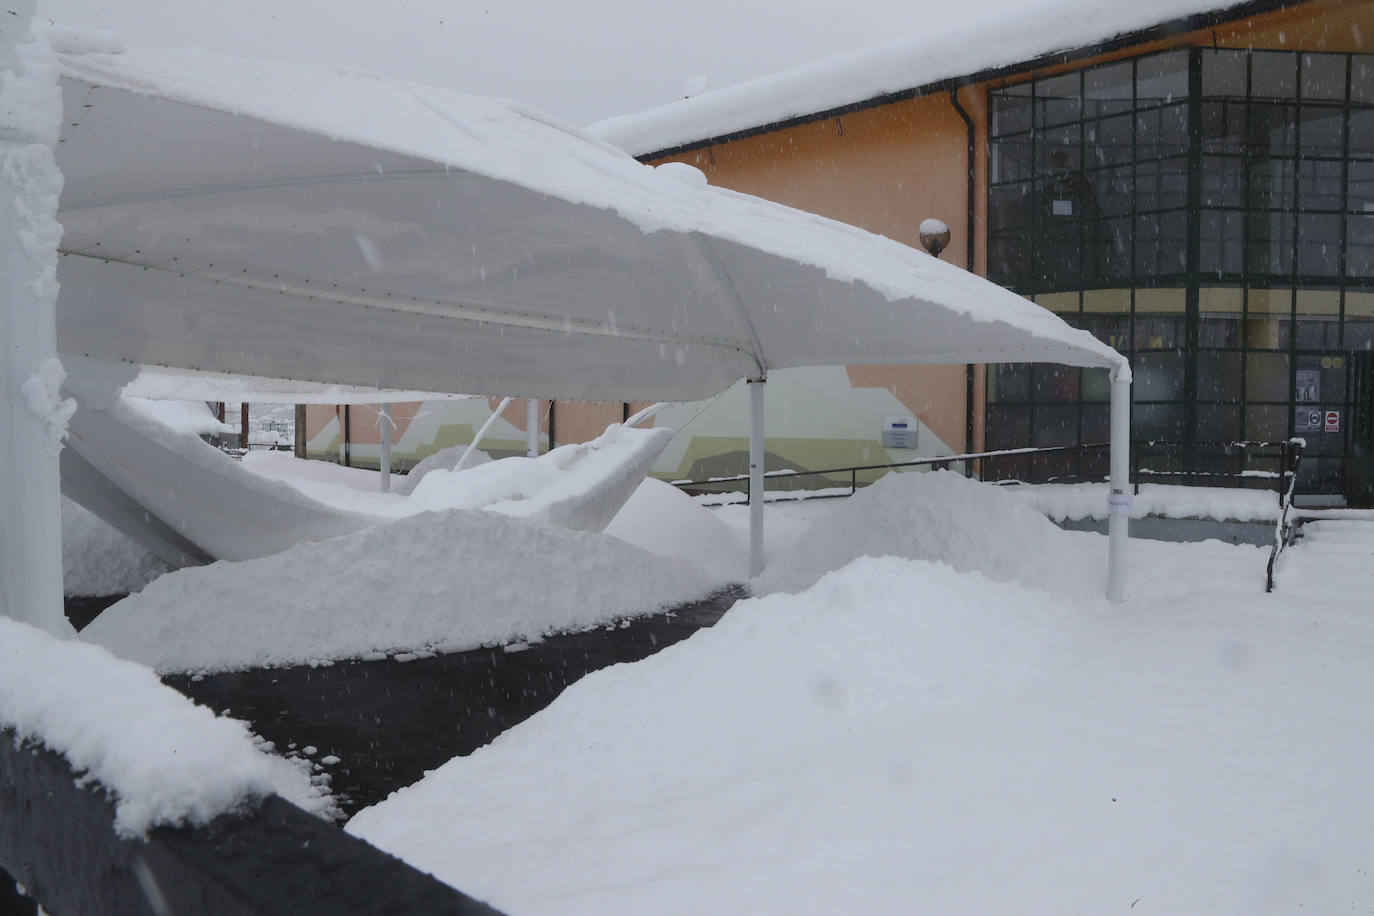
(689, 781)
(442, 581)
(943, 516)
(906, 738)
(667, 522)
(98, 560)
(167, 760)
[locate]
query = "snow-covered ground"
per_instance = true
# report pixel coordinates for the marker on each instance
(962, 725)
(903, 736)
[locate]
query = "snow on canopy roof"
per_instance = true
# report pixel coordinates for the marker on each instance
(962, 40)
(299, 222)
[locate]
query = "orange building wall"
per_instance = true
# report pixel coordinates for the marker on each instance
(885, 170)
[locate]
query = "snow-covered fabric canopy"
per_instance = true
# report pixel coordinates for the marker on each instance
(296, 222)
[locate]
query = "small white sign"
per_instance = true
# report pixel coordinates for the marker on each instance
(1063, 208)
(1118, 504)
(1333, 421)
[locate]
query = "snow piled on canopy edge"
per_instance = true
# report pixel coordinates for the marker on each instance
(510, 142)
(968, 41)
(166, 760)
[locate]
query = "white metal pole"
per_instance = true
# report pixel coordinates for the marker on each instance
(755, 387)
(1119, 499)
(472, 446)
(384, 419)
(532, 427)
(33, 415)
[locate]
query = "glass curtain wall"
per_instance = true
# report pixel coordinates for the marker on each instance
(1210, 213)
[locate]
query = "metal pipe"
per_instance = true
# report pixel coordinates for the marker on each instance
(384, 421)
(532, 427)
(1119, 499)
(755, 387)
(969, 264)
(462, 459)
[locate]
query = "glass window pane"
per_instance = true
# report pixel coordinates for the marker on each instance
(1055, 425)
(1161, 185)
(1054, 383)
(1218, 377)
(1011, 109)
(1362, 78)
(1009, 257)
(1107, 89)
(1162, 78)
(1109, 141)
(1097, 385)
(1273, 74)
(1219, 331)
(1058, 150)
(1223, 181)
(1056, 256)
(1223, 127)
(1162, 131)
(1159, 422)
(1222, 241)
(1158, 376)
(1323, 76)
(1010, 159)
(1057, 100)
(1359, 245)
(1009, 383)
(1112, 190)
(1271, 129)
(1266, 424)
(1008, 426)
(1271, 184)
(1106, 252)
(1362, 132)
(1218, 422)
(1319, 184)
(1319, 244)
(1223, 73)
(1360, 187)
(1322, 131)
(1266, 376)
(1270, 247)
(1009, 206)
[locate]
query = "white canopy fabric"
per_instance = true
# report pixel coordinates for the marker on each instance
(297, 222)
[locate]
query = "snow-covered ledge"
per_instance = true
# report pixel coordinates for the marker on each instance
(164, 759)
(33, 416)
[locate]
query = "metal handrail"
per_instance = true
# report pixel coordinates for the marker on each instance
(937, 461)
(1283, 531)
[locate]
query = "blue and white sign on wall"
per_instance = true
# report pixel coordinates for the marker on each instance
(899, 432)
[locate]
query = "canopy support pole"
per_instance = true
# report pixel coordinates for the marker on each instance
(1119, 499)
(384, 421)
(33, 415)
(755, 387)
(532, 427)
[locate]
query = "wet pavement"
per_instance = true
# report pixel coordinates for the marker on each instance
(388, 722)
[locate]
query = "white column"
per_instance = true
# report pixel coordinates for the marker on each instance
(33, 416)
(532, 427)
(1119, 499)
(755, 387)
(384, 420)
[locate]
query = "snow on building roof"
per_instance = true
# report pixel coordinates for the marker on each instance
(301, 222)
(963, 40)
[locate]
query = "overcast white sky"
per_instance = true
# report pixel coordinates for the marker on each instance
(581, 60)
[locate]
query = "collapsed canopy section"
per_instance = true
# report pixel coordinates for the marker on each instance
(303, 223)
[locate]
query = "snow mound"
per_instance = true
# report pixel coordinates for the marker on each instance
(663, 520)
(943, 516)
(443, 581)
(445, 459)
(98, 560)
(167, 760)
(748, 750)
